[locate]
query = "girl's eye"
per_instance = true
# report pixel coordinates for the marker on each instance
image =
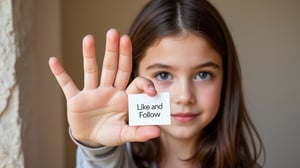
(203, 76)
(163, 76)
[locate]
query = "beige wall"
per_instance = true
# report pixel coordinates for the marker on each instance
(37, 24)
(94, 17)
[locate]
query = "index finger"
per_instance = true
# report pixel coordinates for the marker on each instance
(89, 63)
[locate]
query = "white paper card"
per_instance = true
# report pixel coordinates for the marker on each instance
(147, 110)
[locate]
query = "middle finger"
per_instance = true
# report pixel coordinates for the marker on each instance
(110, 61)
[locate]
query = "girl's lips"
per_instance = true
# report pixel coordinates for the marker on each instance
(184, 117)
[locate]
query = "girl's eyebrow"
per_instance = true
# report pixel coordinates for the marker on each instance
(163, 66)
(209, 64)
(158, 65)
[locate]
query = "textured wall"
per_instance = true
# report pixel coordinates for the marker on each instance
(10, 141)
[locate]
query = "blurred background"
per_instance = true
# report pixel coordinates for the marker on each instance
(266, 34)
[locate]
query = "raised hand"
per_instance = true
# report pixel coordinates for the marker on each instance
(97, 114)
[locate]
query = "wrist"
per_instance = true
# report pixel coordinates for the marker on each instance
(84, 142)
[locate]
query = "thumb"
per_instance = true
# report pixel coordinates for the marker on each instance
(141, 85)
(139, 133)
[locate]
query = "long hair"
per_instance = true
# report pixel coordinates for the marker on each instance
(231, 139)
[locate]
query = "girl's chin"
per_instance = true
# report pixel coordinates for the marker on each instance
(180, 132)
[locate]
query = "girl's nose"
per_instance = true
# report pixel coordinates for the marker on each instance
(184, 93)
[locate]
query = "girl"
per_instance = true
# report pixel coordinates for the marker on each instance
(178, 46)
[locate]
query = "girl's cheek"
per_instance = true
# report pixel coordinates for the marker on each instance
(211, 99)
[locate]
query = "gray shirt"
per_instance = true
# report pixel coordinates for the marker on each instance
(114, 157)
(107, 157)
(104, 157)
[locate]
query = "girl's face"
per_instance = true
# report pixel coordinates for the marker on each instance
(189, 69)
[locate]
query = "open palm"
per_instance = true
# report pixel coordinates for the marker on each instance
(97, 114)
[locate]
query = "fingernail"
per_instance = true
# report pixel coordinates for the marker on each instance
(88, 36)
(151, 87)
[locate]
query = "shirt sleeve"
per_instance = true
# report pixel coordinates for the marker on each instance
(102, 157)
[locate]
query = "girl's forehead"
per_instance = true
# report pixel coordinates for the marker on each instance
(186, 43)
(184, 39)
(184, 48)
(183, 35)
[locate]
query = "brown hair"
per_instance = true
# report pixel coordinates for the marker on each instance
(231, 139)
